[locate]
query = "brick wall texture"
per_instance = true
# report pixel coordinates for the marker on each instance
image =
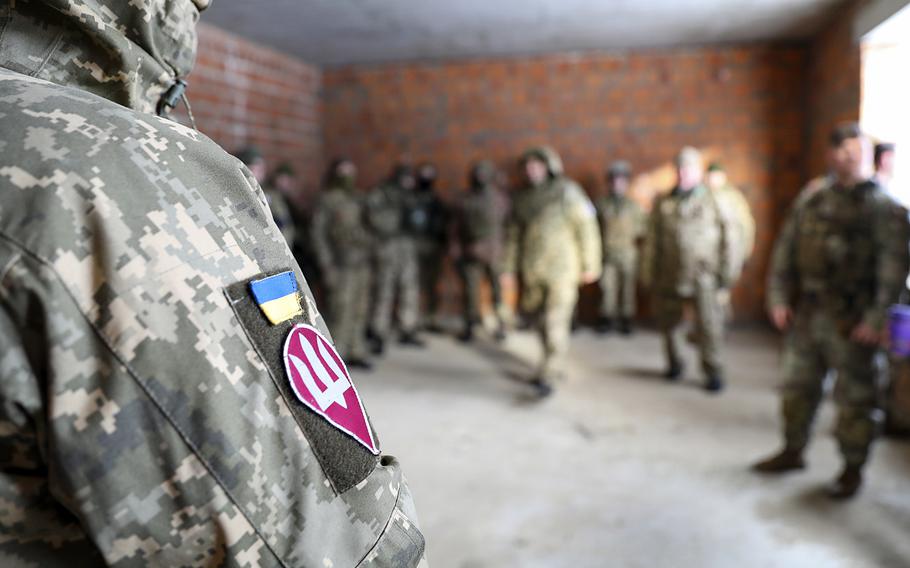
(242, 93)
(763, 110)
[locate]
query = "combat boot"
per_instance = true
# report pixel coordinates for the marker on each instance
(500, 334)
(542, 388)
(786, 460)
(847, 484)
(714, 383)
(604, 325)
(410, 338)
(625, 326)
(467, 336)
(675, 372)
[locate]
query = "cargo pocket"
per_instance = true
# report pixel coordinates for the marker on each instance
(325, 389)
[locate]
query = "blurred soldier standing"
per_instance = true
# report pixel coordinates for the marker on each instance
(342, 245)
(428, 219)
(688, 258)
(884, 164)
(622, 224)
(148, 418)
(840, 262)
(478, 230)
(253, 159)
(552, 242)
(742, 225)
(397, 271)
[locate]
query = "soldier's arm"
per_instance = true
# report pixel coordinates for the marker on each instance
(587, 234)
(511, 250)
(892, 234)
(319, 239)
(34, 525)
(650, 253)
(781, 276)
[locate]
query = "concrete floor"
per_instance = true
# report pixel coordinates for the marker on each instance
(620, 468)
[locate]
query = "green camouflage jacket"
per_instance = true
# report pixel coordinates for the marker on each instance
(552, 230)
(845, 250)
(338, 231)
(147, 415)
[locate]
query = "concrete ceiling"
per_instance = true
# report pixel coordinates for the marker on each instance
(339, 32)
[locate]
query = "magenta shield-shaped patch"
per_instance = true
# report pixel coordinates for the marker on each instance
(321, 381)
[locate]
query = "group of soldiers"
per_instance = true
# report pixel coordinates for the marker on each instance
(840, 262)
(162, 351)
(379, 252)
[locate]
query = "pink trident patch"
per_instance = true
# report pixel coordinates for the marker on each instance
(322, 382)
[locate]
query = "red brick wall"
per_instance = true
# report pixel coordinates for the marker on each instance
(744, 105)
(244, 93)
(835, 84)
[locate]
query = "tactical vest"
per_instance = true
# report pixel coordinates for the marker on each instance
(835, 248)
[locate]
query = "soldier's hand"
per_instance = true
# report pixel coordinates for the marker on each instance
(781, 317)
(865, 334)
(588, 277)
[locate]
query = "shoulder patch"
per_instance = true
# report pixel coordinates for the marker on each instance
(346, 458)
(322, 382)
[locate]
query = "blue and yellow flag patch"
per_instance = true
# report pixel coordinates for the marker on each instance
(278, 297)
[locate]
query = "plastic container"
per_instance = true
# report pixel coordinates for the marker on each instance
(900, 331)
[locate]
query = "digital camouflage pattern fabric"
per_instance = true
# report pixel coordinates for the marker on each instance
(139, 424)
(841, 259)
(551, 241)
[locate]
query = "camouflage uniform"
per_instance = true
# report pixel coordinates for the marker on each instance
(281, 213)
(143, 421)
(841, 259)
(622, 223)
(479, 233)
(687, 258)
(396, 260)
(551, 241)
(342, 245)
(428, 219)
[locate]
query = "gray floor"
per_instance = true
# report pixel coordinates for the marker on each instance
(620, 468)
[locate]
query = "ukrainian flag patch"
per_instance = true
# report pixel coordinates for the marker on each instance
(278, 297)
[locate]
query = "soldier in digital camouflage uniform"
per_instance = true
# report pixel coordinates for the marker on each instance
(688, 258)
(145, 416)
(622, 224)
(397, 272)
(253, 159)
(840, 262)
(342, 245)
(478, 236)
(429, 225)
(552, 242)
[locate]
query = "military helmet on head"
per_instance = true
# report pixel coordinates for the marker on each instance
(549, 156)
(619, 169)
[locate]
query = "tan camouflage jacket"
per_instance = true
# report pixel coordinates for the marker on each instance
(622, 224)
(688, 244)
(552, 234)
(843, 249)
(146, 417)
